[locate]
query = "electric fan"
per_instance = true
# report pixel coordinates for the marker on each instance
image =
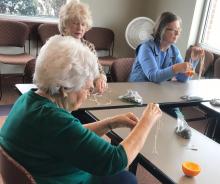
(139, 30)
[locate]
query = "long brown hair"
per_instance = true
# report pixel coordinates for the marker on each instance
(161, 23)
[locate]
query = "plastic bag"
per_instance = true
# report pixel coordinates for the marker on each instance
(132, 96)
(183, 129)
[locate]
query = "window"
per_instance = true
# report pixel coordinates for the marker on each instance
(38, 8)
(210, 37)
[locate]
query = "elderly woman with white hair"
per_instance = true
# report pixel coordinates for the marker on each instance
(75, 20)
(54, 146)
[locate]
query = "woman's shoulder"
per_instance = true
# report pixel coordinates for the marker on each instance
(174, 49)
(148, 44)
(90, 45)
(86, 42)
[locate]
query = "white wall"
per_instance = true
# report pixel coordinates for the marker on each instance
(116, 14)
(185, 9)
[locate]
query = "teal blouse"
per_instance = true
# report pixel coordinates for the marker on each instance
(53, 145)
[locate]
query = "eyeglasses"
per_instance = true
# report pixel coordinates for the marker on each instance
(175, 31)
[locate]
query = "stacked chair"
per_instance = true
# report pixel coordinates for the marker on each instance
(103, 40)
(13, 34)
(45, 31)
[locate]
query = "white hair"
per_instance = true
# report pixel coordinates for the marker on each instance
(64, 62)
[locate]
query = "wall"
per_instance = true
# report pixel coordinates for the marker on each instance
(116, 14)
(185, 9)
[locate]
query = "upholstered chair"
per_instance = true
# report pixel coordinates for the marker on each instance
(121, 69)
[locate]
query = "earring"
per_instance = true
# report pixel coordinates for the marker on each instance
(65, 94)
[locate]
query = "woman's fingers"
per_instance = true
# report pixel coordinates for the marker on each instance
(127, 120)
(152, 112)
(100, 85)
(133, 117)
(198, 51)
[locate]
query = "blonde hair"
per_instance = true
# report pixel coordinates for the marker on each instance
(74, 10)
(63, 62)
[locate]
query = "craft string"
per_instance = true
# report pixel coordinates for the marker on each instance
(101, 99)
(158, 127)
(202, 61)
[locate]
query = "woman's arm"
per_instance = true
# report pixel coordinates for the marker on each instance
(135, 141)
(100, 82)
(152, 65)
(84, 149)
(180, 67)
(102, 127)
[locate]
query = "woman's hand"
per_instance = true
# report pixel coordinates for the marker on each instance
(100, 84)
(124, 120)
(151, 113)
(197, 53)
(182, 67)
(103, 126)
(135, 141)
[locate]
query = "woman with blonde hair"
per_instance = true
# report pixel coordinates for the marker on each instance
(54, 146)
(75, 20)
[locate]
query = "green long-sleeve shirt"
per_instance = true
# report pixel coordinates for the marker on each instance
(53, 145)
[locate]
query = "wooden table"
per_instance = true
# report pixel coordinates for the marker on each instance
(173, 150)
(215, 109)
(166, 93)
(23, 88)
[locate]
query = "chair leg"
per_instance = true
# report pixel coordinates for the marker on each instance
(23, 78)
(133, 167)
(108, 74)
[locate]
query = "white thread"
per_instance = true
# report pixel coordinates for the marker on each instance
(99, 98)
(201, 65)
(158, 126)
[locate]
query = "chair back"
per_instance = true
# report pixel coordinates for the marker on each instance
(45, 31)
(13, 33)
(208, 63)
(217, 68)
(12, 172)
(121, 69)
(29, 71)
(102, 38)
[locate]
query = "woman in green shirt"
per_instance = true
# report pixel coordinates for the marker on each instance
(43, 136)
